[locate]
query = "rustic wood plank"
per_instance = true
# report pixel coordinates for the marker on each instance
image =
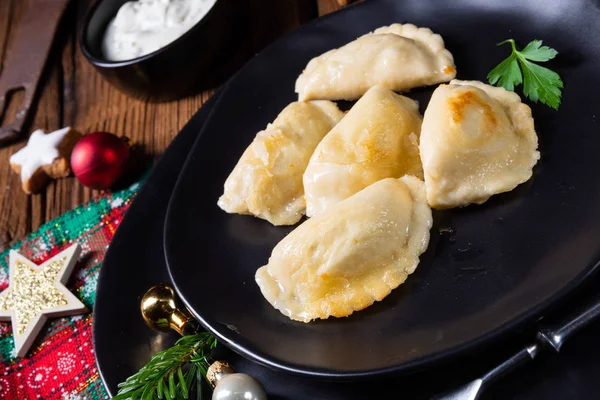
(74, 94)
(6, 18)
(16, 209)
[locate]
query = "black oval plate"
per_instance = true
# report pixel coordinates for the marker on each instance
(133, 263)
(123, 343)
(488, 268)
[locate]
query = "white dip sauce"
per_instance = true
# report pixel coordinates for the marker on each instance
(141, 27)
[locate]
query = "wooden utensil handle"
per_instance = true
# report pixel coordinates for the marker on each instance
(25, 63)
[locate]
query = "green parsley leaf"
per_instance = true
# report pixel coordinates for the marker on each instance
(534, 51)
(507, 74)
(539, 83)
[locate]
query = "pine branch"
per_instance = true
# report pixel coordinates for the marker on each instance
(165, 375)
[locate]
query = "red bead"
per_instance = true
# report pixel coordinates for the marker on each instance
(98, 160)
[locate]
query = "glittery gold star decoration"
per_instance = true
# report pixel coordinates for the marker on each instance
(35, 293)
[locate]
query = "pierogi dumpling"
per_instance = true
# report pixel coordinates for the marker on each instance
(345, 260)
(267, 180)
(399, 57)
(377, 139)
(476, 141)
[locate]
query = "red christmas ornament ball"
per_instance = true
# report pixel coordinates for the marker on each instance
(98, 160)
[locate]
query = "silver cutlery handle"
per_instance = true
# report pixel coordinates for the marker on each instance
(472, 390)
(555, 336)
(551, 336)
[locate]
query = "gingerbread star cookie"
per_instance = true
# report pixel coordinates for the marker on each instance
(44, 157)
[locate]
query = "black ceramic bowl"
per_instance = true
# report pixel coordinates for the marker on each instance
(192, 62)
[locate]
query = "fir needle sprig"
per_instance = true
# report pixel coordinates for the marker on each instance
(167, 375)
(539, 83)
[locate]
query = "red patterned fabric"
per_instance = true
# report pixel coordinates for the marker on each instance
(61, 363)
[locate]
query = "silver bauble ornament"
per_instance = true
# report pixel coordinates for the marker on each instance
(238, 387)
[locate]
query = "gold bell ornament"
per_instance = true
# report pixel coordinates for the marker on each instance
(162, 311)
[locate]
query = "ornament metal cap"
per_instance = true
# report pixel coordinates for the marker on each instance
(163, 312)
(217, 371)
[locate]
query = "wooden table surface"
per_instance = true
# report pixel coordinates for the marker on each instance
(73, 94)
